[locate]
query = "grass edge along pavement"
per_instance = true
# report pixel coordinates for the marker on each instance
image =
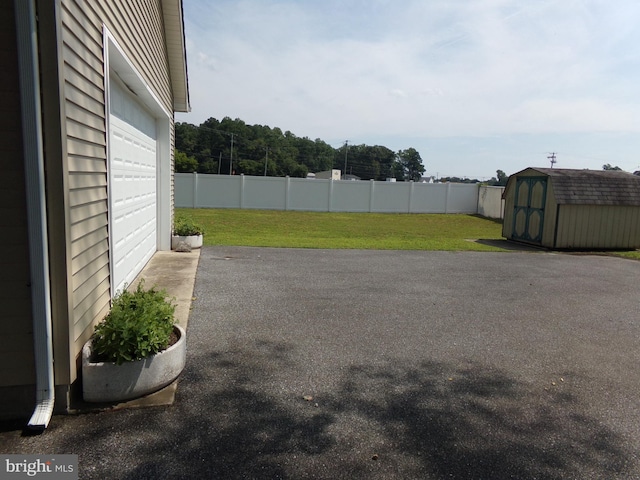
(332, 230)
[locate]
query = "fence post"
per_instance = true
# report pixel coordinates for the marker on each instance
(241, 191)
(410, 196)
(195, 190)
(446, 198)
(371, 190)
(330, 203)
(287, 184)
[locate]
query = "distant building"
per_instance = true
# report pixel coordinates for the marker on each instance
(329, 174)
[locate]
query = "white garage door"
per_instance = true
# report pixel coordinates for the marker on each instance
(132, 191)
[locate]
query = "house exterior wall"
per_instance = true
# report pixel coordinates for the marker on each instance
(17, 371)
(598, 226)
(138, 29)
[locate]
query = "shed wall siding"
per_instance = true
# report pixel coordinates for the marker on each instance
(550, 216)
(138, 29)
(16, 347)
(585, 226)
(507, 221)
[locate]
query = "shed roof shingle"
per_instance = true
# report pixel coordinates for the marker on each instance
(594, 187)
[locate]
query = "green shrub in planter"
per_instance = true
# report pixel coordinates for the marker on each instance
(184, 227)
(139, 325)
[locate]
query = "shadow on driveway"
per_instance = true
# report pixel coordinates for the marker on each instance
(386, 365)
(396, 420)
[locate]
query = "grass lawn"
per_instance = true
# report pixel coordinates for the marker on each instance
(634, 254)
(269, 228)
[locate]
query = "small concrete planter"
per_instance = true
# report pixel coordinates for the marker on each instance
(109, 382)
(194, 241)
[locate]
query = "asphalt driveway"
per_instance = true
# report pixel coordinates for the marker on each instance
(384, 364)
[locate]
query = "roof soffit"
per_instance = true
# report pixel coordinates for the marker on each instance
(176, 52)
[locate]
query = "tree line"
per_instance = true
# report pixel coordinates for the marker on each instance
(232, 147)
(500, 180)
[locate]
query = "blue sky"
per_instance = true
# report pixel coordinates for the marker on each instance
(473, 85)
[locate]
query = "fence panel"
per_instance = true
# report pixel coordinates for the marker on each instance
(350, 196)
(461, 199)
(430, 198)
(490, 202)
(311, 196)
(275, 193)
(183, 184)
(390, 197)
(224, 191)
(266, 193)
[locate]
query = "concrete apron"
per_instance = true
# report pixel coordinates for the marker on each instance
(174, 272)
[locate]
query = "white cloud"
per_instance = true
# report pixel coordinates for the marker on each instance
(339, 69)
(397, 92)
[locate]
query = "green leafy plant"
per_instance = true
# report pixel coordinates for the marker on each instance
(139, 325)
(184, 226)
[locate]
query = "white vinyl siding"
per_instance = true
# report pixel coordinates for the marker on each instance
(138, 29)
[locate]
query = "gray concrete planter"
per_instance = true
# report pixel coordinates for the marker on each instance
(194, 241)
(109, 382)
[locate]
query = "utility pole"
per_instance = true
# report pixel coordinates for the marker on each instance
(266, 159)
(219, 162)
(552, 158)
(231, 155)
(346, 149)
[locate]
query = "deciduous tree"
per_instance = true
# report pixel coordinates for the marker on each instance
(185, 164)
(411, 163)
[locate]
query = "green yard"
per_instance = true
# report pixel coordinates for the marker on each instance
(269, 228)
(635, 254)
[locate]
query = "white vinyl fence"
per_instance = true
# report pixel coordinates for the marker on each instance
(193, 190)
(490, 202)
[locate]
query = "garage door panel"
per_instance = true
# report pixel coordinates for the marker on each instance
(133, 158)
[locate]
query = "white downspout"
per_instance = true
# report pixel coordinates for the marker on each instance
(25, 13)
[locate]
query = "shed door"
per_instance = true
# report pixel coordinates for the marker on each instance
(132, 185)
(528, 215)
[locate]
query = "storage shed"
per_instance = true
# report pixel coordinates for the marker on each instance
(573, 209)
